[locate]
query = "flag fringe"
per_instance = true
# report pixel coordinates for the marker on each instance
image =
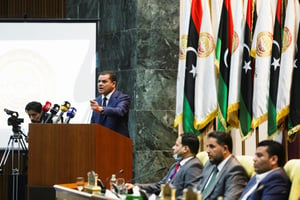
(282, 114)
(222, 120)
(178, 120)
(245, 137)
(256, 122)
(232, 115)
(294, 130)
(202, 124)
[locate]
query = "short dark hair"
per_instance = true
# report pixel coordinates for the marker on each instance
(190, 140)
(274, 148)
(223, 138)
(35, 106)
(112, 75)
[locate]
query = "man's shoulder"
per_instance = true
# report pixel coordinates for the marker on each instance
(194, 161)
(119, 94)
(278, 174)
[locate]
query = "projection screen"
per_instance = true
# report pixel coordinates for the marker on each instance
(46, 61)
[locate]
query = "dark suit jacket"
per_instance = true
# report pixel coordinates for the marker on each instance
(115, 114)
(187, 177)
(229, 183)
(275, 186)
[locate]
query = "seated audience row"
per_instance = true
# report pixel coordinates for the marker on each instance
(223, 175)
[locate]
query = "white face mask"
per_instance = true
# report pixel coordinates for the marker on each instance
(176, 157)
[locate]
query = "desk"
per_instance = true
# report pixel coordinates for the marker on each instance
(69, 192)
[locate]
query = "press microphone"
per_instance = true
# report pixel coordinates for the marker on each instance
(63, 108)
(53, 111)
(103, 189)
(10, 112)
(70, 114)
(45, 109)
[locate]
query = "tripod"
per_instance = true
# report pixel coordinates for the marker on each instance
(15, 138)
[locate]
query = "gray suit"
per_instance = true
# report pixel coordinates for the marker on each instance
(187, 177)
(229, 183)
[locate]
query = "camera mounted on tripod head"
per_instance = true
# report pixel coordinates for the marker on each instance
(13, 120)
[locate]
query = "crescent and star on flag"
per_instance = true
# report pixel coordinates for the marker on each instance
(275, 62)
(247, 65)
(193, 69)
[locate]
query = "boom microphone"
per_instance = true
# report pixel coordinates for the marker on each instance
(63, 108)
(70, 114)
(45, 109)
(53, 111)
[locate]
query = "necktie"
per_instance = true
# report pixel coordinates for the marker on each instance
(175, 171)
(212, 179)
(104, 101)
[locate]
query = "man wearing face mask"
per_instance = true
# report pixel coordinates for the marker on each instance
(184, 173)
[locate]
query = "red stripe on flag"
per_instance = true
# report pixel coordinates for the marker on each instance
(196, 11)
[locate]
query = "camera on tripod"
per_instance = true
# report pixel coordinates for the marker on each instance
(13, 120)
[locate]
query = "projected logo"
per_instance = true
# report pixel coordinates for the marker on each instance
(24, 76)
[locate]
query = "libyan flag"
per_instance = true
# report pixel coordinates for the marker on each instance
(294, 115)
(274, 71)
(188, 117)
(223, 59)
(245, 112)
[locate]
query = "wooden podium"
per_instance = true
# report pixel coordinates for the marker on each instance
(58, 153)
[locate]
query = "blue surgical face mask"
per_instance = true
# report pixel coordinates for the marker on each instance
(176, 157)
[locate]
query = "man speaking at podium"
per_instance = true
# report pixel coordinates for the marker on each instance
(111, 107)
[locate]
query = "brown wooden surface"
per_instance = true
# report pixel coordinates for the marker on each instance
(32, 8)
(58, 153)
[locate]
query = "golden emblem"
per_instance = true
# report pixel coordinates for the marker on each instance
(287, 39)
(206, 45)
(264, 44)
(235, 41)
(182, 47)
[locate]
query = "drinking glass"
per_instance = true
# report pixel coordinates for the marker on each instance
(80, 183)
(121, 185)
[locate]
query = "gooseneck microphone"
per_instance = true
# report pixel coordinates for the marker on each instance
(45, 109)
(70, 114)
(103, 189)
(53, 111)
(63, 108)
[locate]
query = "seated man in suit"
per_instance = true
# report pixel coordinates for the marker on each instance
(270, 181)
(111, 107)
(223, 175)
(184, 173)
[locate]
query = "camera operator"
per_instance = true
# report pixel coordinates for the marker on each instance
(34, 109)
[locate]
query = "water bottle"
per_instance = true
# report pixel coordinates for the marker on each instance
(113, 180)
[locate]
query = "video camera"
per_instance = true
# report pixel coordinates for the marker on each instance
(13, 120)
